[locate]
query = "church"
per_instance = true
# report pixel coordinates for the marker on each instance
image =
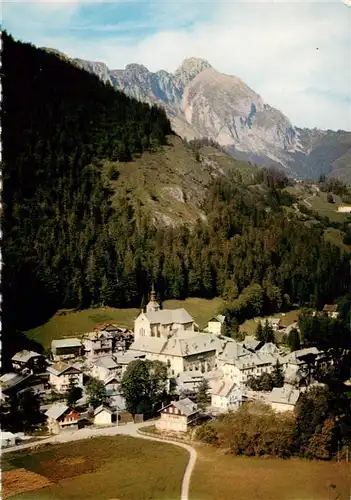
(157, 322)
(171, 336)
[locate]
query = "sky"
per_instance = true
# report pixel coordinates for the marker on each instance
(295, 54)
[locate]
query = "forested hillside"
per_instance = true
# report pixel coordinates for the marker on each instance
(66, 245)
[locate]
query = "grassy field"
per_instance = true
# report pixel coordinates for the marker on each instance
(123, 468)
(169, 183)
(225, 477)
(75, 323)
(319, 203)
(102, 468)
(250, 325)
(335, 236)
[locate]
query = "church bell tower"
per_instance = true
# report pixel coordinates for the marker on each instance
(153, 305)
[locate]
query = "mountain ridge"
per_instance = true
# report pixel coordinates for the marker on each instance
(202, 102)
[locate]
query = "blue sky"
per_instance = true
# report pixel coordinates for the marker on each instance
(272, 46)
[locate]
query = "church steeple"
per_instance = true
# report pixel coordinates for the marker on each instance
(153, 305)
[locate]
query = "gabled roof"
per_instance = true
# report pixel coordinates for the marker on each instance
(220, 318)
(111, 378)
(25, 356)
(222, 388)
(60, 343)
(101, 408)
(284, 395)
(169, 316)
(9, 380)
(106, 362)
(251, 343)
(269, 348)
(185, 406)
(60, 367)
(56, 410)
(233, 351)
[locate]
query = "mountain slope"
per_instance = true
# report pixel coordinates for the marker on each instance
(201, 102)
(90, 176)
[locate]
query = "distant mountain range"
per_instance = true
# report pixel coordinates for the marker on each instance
(201, 102)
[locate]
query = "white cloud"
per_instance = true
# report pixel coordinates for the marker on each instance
(296, 55)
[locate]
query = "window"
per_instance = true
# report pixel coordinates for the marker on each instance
(142, 331)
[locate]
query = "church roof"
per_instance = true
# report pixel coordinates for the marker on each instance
(169, 316)
(174, 346)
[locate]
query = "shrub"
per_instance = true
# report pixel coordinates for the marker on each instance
(207, 434)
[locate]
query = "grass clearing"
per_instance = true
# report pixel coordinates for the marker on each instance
(103, 468)
(250, 325)
(75, 323)
(335, 236)
(226, 477)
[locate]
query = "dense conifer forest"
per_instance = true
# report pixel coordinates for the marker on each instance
(65, 246)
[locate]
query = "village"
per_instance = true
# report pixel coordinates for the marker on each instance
(193, 357)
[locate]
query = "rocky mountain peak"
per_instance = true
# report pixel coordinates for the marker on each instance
(203, 102)
(136, 68)
(190, 68)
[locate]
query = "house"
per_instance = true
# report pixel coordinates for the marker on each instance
(7, 439)
(283, 398)
(28, 360)
(104, 415)
(62, 374)
(178, 416)
(274, 323)
(346, 209)
(103, 368)
(187, 383)
(96, 344)
(121, 337)
(225, 396)
(216, 325)
(159, 323)
(331, 310)
(238, 364)
(63, 349)
(112, 385)
(62, 417)
(124, 358)
(12, 383)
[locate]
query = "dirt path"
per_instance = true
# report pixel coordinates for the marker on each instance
(191, 464)
(315, 189)
(129, 429)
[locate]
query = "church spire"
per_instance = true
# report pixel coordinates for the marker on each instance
(153, 293)
(153, 305)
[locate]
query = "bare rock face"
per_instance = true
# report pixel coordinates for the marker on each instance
(201, 102)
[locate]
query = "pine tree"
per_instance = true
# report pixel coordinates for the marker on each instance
(259, 333)
(277, 375)
(294, 340)
(202, 396)
(268, 332)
